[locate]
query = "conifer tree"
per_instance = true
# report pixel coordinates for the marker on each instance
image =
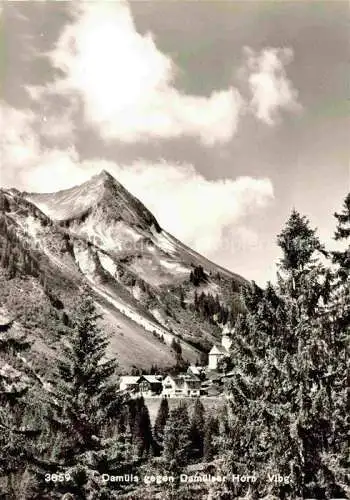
(341, 259)
(176, 347)
(281, 392)
(337, 457)
(142, 430)
(124, 437)
(177, 439)
(301, 284)
(82, 403)
(197, 429)
(342, 233)
(211, 429)
(182, 299)
(160, 422)
(18, 425)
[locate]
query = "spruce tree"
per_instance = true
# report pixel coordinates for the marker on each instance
(281, 392)
(341, 259)
(302, 286)
(124, 437)
(142, 430)
(177, 439)
(342, 233)
(18, 424)
(83, 401)
(337, 456)
(182, 299)
(211, 429)
(197, 429)
(160, 422)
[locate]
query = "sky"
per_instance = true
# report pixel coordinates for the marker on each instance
(221, 117)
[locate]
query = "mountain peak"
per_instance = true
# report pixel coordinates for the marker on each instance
(100, 192)
(104, 175)
(107, 181)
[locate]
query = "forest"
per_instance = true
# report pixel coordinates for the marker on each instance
(283, 429)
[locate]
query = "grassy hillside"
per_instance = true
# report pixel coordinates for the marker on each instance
(149, 287)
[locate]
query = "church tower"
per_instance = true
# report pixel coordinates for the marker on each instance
(226, 340)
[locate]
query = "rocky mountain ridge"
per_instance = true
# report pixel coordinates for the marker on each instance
(141, 276)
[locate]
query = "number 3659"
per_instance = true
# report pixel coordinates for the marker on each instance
(56, 478)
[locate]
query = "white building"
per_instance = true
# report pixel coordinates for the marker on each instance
(226, 340)
(198, 371)
(128, 382)
(145, 385)
(150, 385)
(218, 351)
(181, 386)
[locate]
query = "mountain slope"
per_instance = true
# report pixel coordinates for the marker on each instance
(140, 275)
(104, 213)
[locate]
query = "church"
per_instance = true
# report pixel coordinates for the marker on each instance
(218, 351)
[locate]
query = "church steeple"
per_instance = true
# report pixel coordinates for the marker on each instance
(226, 339)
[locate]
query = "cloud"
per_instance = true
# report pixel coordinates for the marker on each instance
(270, 87)
(21, 142)
(208, 215)
(205, 214)
(55, 113)
(127, 84)
(196, 210)
(18, 144)
(25, 163)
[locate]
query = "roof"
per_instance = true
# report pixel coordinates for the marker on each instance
(218, 349)
(178, 380)
(129, 379)
(153, 379)
(213, 376)
(188, 376)
(196, 370)
(190, 381)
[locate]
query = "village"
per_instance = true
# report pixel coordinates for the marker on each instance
(197, 381)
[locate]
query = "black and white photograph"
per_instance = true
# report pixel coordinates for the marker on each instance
(174, 249)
